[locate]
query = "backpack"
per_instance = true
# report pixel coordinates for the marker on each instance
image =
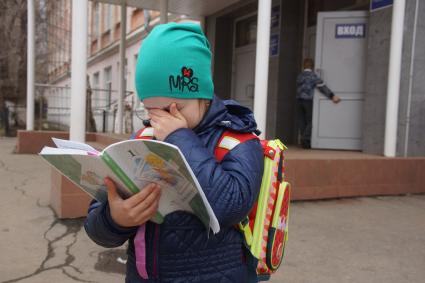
(265, 228)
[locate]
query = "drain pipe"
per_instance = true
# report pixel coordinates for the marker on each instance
(412, 65)
(122, 85)
(393, 86)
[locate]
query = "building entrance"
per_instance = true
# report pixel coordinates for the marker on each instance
(243, 73)
(340, 60)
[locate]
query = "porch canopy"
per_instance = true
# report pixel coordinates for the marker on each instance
(196, 8)
(192, 8)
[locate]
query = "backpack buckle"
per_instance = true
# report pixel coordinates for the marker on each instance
(246, 230)
(270, 152)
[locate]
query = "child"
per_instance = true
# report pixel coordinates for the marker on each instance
(173, 79)
(307, 81)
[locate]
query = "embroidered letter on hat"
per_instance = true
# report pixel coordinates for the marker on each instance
(184, 82)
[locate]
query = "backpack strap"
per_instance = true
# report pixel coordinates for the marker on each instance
(228, 141)
(144, 134)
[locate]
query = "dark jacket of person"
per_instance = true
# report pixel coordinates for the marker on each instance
(307, 81)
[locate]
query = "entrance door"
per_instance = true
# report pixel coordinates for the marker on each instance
(243, 77)
(341, 62)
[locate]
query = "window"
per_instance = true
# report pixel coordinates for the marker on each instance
(125, 77)
(96, 96)
(246, 31)
(125, 69)
(117, 14)
(107, 15)
(139, 104)
(135, 62)
(107, 84)
(96, 22)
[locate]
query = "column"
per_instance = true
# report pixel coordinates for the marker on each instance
(393, 85)
(30, 65)
(262, 64)
(78, 70)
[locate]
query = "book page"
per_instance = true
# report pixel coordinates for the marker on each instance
(150, 161)
(87, 171)
(53, 150)
(60, 143)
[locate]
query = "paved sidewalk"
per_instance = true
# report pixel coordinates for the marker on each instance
(361, 240)
(35, 246)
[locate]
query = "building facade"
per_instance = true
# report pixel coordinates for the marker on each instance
(349, 41)
(103, 65)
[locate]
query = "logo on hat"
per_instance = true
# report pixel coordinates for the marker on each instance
(184, 82)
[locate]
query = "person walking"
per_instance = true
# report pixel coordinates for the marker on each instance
(307, 81)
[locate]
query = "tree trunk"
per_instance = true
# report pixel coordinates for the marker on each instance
(90, 122)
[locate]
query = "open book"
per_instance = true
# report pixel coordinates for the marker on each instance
(133, 164)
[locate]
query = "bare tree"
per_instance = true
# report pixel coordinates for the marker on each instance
(13, 40)
(90, 122)
(52, 40)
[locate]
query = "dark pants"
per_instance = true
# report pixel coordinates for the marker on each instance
(305, 119)
(4, 116)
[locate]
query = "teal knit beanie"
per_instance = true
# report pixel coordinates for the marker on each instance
(175, 61)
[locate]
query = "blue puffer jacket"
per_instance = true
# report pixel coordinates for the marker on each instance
(181, 249)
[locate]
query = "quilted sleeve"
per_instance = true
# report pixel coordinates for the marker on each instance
(322, 87)
(103, 230)
(231, 186)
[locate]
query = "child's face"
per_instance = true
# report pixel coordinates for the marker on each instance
(192, 109)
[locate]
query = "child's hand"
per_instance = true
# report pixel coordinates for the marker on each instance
(336, 99)
(165, 123)
(135, 210)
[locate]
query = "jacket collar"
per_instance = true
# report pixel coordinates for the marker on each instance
(227, 114)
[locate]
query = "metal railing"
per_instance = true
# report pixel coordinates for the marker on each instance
(53, 108)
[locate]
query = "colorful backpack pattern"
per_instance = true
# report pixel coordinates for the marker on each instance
(265, 229)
